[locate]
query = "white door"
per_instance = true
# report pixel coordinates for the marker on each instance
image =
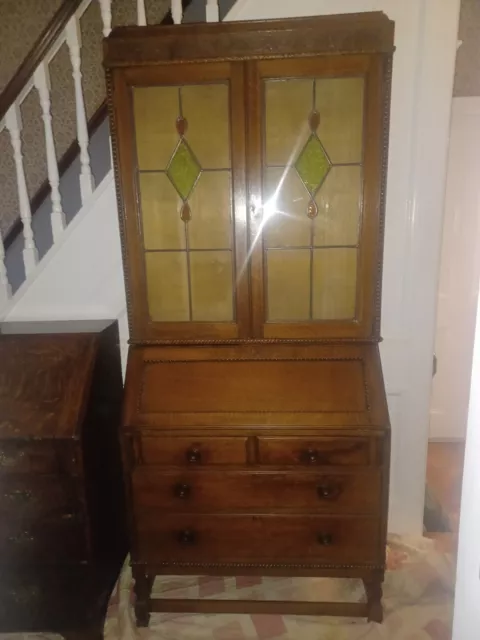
(459, 275)
(426, 40)
(466, 618)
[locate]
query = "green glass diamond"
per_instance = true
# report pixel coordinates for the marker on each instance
(183, 170)
(312, 164)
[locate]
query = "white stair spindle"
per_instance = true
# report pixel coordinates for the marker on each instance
(213, 13)
(141, 14)
(5, 288)
(42, 84)
(106, 11)
(14, 125)
(74, 46)
(177, 11)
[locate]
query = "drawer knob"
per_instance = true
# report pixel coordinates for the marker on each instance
(187, 538)
(182, 491)
(328, 491)
(7, 460)
(22, 538)
(310, 456)
(325, 539)
(19, 496)
(193, 456)
(24, 595)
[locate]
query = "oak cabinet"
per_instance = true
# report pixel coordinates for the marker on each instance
(250, 163)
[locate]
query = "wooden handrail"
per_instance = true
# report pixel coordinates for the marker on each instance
(41, 47)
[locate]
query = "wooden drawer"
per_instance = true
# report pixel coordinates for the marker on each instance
(315, 451)
(258, 538)
(47, 542)
(193, 451)
(205, 490)
(34, 458)
(34, 497)
(41, 599)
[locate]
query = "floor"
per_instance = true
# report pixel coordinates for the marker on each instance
(444, 482)
(417, 599)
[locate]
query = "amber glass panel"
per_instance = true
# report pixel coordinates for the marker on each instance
(288, 276)
(339, 102)
(155, 113)
(211, 208)
(206, 110)
(339, 202)
(334, 283)
(286, 202)
(288, 103)
(167, 286)
(212, 289)
(160, 206)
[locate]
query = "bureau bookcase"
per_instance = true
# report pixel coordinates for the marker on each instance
(250, 164)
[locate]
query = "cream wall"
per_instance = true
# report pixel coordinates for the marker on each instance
(466, 623)
(459, 275)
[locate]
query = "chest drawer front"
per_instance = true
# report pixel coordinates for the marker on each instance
(262, 538)
(312, 452)
(241, 490)
(58, 541)
(193, 451)
(29, 497)
(18, 457)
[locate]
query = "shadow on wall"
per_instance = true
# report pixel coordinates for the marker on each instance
(196, 11)
(100, 163)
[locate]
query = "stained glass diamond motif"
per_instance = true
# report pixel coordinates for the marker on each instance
(312, 164)
(183, 170)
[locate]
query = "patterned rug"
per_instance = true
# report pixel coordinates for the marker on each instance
(418, 601)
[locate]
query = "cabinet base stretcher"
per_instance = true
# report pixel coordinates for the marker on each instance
(145, 605)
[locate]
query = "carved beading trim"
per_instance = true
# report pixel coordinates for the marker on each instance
(383, 189)
(119, 196)
(366, 390)
(261, 565)
(250, 359)
(240, 341)
(239, 58)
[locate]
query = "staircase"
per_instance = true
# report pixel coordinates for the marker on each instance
(61, 258)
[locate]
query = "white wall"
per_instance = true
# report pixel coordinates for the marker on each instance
(459, 275)
(81, 277)
(426, 40)
(466, 623)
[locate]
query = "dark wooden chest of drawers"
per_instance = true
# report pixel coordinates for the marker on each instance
(62, 525)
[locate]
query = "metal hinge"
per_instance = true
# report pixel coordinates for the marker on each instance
(435, 363)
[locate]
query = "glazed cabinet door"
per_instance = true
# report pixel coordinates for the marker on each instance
(181, 145)
(315, 165)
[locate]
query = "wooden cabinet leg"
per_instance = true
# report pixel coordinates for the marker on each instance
(373, 589)
(142, 588)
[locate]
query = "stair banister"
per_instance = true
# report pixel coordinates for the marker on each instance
(213, 13)
(34, 75)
